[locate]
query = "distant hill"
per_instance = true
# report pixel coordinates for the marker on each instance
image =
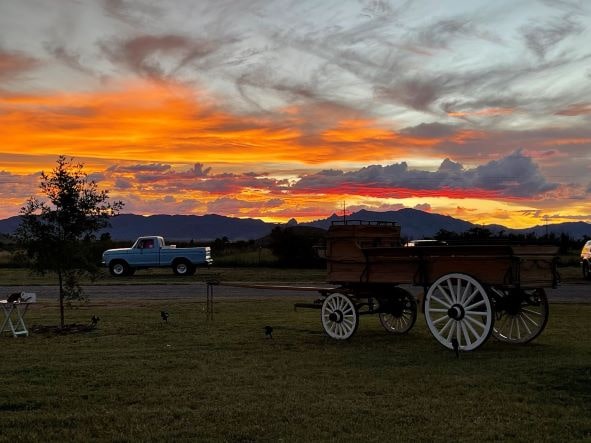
(573, 229)
(415, 224)
(175, 227)
(187, 227)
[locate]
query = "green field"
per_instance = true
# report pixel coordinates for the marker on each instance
(136, 378)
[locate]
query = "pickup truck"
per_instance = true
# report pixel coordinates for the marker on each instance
(152, 252)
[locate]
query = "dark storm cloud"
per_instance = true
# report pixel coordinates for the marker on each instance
(513, 176)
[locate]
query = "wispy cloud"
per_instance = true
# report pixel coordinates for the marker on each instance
(543, 37)
(15, 63)
(132, 12)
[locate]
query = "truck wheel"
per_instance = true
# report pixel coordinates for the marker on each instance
(183, 267)
(118, 268)
(586, 273)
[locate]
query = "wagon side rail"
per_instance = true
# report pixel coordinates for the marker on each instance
(500, 265)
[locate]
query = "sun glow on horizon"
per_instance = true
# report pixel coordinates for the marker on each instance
(142, 141)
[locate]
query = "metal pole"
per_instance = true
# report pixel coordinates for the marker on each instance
(209, 301)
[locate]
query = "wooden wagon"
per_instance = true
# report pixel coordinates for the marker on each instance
(470, 292)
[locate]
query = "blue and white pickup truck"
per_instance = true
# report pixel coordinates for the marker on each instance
(152, 252)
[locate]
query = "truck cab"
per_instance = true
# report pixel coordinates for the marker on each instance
(148, 251)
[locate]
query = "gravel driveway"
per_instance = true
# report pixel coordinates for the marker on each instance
(565, 293)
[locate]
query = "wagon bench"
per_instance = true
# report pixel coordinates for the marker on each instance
(471, 292)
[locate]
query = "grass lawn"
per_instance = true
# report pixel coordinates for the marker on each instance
(136, 378)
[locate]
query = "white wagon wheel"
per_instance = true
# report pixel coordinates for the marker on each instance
(459, 312)
(339, 315)
(522, 314)
(401, 311)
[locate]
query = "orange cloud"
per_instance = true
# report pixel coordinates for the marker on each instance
(153, 121)
(143, 122)
(376, 191)
(153, 132)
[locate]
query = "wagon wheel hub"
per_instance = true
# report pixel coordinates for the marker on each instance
(456, 312)
(336, 316)
(397, 308)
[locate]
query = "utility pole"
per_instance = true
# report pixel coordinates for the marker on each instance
(545, 217)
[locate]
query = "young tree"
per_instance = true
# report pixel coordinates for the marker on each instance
(57, 233)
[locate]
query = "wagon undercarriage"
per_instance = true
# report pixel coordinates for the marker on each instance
(470, 293)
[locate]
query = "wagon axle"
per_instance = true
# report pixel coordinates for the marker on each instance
(336, 316)
(456, 312)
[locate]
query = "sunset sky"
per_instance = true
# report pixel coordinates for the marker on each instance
(277, 109)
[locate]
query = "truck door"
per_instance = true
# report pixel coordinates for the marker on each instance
(148, 252)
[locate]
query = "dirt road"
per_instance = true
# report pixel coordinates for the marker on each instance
(565, 293)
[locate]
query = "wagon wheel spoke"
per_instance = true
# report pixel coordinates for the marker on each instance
(441, 302)
(339, 316)
(465, 334)
(445, 295)
(398, 310)
(468, 312)
(522, 314)
(439, 320)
